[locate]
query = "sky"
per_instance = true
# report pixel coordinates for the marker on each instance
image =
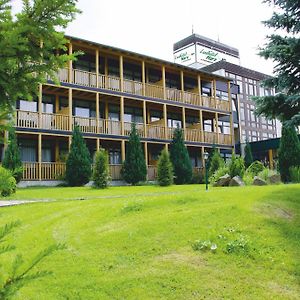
(152, 27)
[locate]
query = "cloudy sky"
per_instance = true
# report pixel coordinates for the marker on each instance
(151, 27)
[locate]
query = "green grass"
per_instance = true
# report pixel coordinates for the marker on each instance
(137, 242)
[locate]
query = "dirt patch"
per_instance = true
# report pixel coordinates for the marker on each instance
(275, 211)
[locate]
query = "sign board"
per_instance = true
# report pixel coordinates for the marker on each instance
(186, 56)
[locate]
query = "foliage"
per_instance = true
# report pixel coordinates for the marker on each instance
(236, 166)
(180, 159)
(283, 48)
(239, 245)
(248, 155)
(164, 169)
(216, 162)
(32, 45)
(7, 182)
(12, 157)
(78, 166)
(20, 275)
(101, 171)
(219, 173)
(255, 167)
(197, 177)
(248, 178)
(289, 151)
(200, 245)
(266, 173)
(134, 167)
(295, 174)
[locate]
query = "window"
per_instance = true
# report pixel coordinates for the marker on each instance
(114, 157)
(174, 120)
(208, 125)
(222, 95)
(28, 105)
(133, 114)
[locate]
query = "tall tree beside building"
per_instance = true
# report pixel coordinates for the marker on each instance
(78, 166)
(248, 155)
(289, 151)
(32, 45)
(283, 47)
(180, 159)
(12, 156)
(134, 167)
(164, 169)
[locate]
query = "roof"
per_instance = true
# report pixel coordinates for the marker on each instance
(235, 69)
(204, 41)
(142, 56)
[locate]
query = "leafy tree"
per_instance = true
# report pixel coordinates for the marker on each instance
(7, 182)
(289, 151)
(12, 158)
(164, 169)
(283, 48)
(101, 172)
(78, 166)
(236, 166)
(134, 167)
(216, 162)
(248, 155)
(32, 46)
(180, 159)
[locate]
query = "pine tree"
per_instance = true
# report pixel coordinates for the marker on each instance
(134, 167)
(289, 151)
(180, 159)
(101, 171)
(248, 155)
(12, 157)
(164, 169)
(78, 166)
(216, 162)
(283, 48)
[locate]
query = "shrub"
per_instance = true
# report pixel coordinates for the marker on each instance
(265, 173)
(78, 166)
(248, 178)
(7, 182)
(219, 173)
(236, 166)
(255, 168)
(248, 155)
(216, 162)
(101, 171)
(295, 174)
(197, 177)
(12, 157)
(134, 167)
(289, 151)
(180, 159)
(164, 169)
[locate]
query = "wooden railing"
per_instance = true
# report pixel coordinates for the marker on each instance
(133, 87)
(62, 75)
(109, 82)
(193, 135)
(139, 127)
(52, 170)
(27, 119)
(191, 98)
(208, 102)
(31, 171)
(174, 94)
(87, 125)
(223, 104)
(210, 137)
(154, 91)
(225, 139)
(115, 172)
(155, 132)
(84, 78)
(152, 173)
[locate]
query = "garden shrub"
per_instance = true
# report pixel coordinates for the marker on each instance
(248, 178)
(8, 183)
(266, 173)
(236, 166)
(164, 169)
(255, 168)
(219, 173)
(197, 177)
(248, 155)
(216, 162)
(295, 174)
(101, 170)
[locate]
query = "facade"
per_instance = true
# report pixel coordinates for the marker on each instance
(106, 90)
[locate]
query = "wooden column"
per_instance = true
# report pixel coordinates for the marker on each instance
(270, 154)
(70, 109)
(70, 142)
(182, 85)
(163, 72)
(40, 155)
(97, 67)
(70, 64)
(121, 74)
(97, 144)
(56, 151)
(146, 153)
(143, 78)
(199, 90)
(123, 150)
(183, 123)
(231, 116)
(145, 118)
(40, 102)
(202, 156)
(122, 115)
(165, 120)
(217, 127)
(56, 103)
(214, 92)
(201, 125)
(97, 112)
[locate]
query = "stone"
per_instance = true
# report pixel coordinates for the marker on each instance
(223, 180)
(236, 181)
(258, 181)
(275, 178)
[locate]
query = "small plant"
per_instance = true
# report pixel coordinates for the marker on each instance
(219, 173)
(266, 173)
(295, 174)
(200, 245)
(164, 169)
(8, 183)
(236, 166)
(133, 207)
(239, 245)
(248, 178)
(100, 171)
(216, 162)
(255, 168)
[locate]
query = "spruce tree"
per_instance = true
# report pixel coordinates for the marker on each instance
(12, 157)
(134, 167)
(164, 169)
(180, 159)
(248, 155)
(289, 151)
(101, 171)
(216, 162)
(78, 166)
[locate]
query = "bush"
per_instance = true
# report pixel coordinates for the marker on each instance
(164, 169)
(78, 166)
(248, 178)
(101, 171)
(8, 183)
(219, 173)
(216, 162)
(236, 166)
(197, 177)
(179, 155)
(266, 173)
(255, 168)
(248, 155)
(295, 174)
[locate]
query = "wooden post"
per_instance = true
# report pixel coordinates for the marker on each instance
(70, 64)
(97, 67)
(40, 102)
(165, 120)
(201, 125)
(70, 109)
(122, 115)
(231, 116)
(40, 155)
(121, 74)
(182, 85)
(123, 150)
(217, 127)
(202, 156)
(214, 92)
(70, 142)
(146, 153)
(183, 123)
(143, 78)
(97, 112)
(270, 154)
(56, 103)
(163, 72)
(145, 118)
(199, 90)
(98, 144)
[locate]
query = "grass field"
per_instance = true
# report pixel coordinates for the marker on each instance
(137, 242)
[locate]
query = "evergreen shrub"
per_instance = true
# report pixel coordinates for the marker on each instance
(8, 183)
(101, 170)
(236, 166)
(255, 168)
(164, 169)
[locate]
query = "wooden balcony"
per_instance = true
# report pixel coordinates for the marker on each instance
(193, 135)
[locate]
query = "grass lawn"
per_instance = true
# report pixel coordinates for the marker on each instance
(137, 242)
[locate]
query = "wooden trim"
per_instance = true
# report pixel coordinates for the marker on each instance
(123, 150)
(40, 155)
(97, 111)
(145, 117)
(97, 67)
(143, 78)
(163, 72)
(122, 114)
(70, 103)
(70, 64)
(121, 74)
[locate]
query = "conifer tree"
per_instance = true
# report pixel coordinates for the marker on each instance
(100, 171)
(289, 151)
(164, 169)
(180, 159)
(78, 166)
(248, 155)
(12, 157)
(134, 167)
(216, 162)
